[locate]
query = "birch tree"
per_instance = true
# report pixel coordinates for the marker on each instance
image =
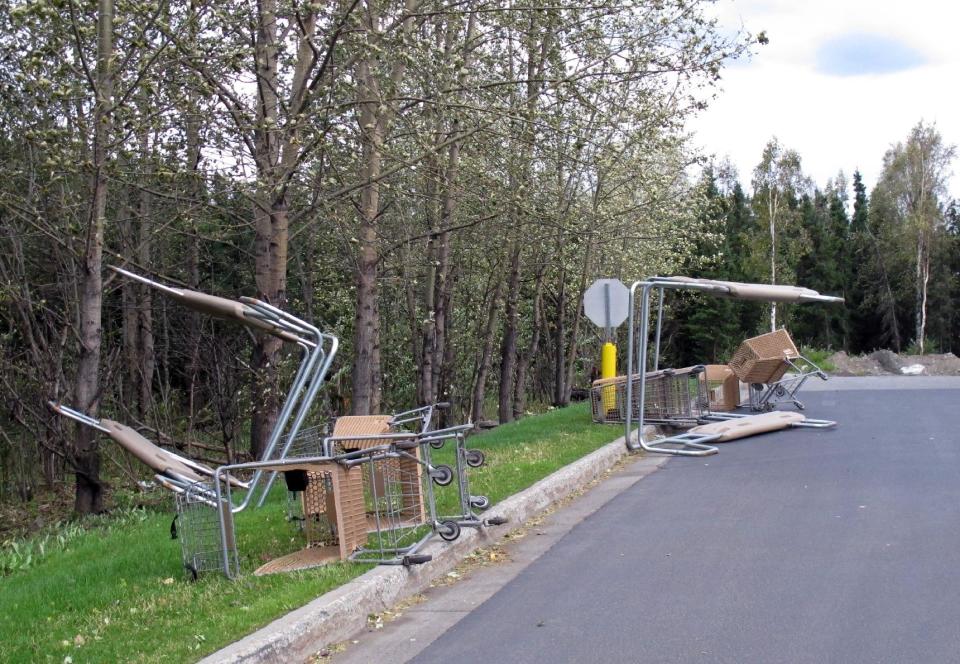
(914, 181)
(778, 182)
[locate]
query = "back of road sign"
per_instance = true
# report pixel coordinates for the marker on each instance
(606, 302)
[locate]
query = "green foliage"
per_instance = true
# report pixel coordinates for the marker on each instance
(20, 555)
(820, 357)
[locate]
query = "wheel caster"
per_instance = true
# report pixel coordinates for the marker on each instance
(475, 458)
(448, 530)
(442, 475)
(479, 502)
(437, 444)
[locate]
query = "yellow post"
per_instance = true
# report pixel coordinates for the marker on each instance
(608, 369)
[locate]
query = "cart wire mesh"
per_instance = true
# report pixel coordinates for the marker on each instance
(676, 397)
(199, 531)
(395, 511)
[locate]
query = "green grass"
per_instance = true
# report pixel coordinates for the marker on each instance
(820, 357)
(119, 593)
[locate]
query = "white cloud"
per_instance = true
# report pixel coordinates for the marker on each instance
(834, 122)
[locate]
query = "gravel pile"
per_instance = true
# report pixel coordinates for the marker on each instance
(885, 362)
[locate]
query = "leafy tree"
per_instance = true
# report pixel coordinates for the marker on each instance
(778, 183)
(912, 187)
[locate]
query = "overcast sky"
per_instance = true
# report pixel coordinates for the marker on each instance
(839, 82)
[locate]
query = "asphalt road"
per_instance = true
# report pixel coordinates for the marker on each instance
(800, 546)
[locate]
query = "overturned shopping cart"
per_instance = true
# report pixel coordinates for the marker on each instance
(672, 397)
(367, 492)
(196, 496)
(775, 370)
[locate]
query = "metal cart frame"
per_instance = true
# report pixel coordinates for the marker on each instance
(674, 397)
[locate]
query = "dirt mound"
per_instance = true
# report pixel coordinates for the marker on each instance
(945, 364)
(886, 362)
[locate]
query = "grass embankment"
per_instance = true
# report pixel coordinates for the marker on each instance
(119, 593)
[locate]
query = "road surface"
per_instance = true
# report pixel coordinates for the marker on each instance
(840, 545)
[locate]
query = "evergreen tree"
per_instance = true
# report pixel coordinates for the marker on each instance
(864, 276)
(824, 220)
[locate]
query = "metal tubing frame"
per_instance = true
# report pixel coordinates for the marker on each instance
(78, 416)
(656, 351)
(696, 447)
(808, 423)
(313, 368)
(316, 382)
(790, 384)
(173, 478)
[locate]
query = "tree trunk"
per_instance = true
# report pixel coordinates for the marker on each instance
(271, 224)
(413, 322)
(523, 365)
(923, 279)
(271, 277)
(486, 354)
(445, 368)
(89, 489)
(772, 213)
(438, 288)
(508, 348)
(366, 337)
(559, 374)
(574, 345)
(193, 279)
(425, 354)
(145, 344)
(375, 119)
(443, 297)
(443, 356)
(128, 302)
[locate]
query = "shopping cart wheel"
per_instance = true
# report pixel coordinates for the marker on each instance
(194, 575)
(495, 521)
(442, 475)
(417, 559)
(437, 444)
(448, 530)
(479, 502)
(475, 458)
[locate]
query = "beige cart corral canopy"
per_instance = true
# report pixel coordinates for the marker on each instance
(744, 291)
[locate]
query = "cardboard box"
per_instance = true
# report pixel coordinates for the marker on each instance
(723, 387)
(761, 359)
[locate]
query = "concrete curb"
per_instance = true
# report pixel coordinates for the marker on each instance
(337, 615)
